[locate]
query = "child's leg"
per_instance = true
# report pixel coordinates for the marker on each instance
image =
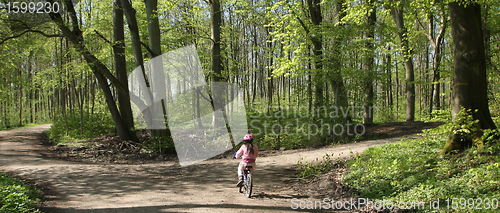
(241, 167)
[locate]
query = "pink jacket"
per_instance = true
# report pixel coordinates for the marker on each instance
(247, 156)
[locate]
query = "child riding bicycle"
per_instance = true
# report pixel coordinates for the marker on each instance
(249, 152)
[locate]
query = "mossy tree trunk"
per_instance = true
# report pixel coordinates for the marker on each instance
(470, 84)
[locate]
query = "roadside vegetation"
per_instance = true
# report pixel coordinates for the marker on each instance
(17, 196)
(411, 170)
(70, 128)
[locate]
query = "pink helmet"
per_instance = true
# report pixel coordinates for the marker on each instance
(248, 137)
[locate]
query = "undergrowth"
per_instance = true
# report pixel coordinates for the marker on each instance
(293, 128)
(315, 168)
(410, 171)
(67, 129)
(17, 196)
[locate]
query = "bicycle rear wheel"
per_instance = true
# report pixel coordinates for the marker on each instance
(248, 186)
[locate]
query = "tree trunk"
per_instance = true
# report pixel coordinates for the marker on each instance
(130, 14)
(269, 72)
(20, 98)
(216, 61)
(121, 69)
(368, 66)
(155, 45)
(469, 80)
(397, 15)
(336, 79)
(218, 89)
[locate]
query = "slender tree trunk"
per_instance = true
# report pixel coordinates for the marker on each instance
(130, 14)
(155, 44)
(314, 35)
(397, 92)
(218, 120)
(20, 98)
(216, 58)
(389, 81)
(270, 85)
(368, 66)
(437, 43)
(339, 90)
(121, 69)
(397, 14)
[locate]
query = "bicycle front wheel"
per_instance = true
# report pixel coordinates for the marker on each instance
(248, 187)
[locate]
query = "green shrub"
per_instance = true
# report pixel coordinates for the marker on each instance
(100, 123)
(16, 196)
(440, 115)
(315, 168)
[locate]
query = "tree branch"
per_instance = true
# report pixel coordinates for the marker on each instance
(30, 31)
(433, 42)
(74, 19)
(443, 29)
(150, 51)
(102, 36)
(298, 19)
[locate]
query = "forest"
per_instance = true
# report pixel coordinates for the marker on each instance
(392, 56)
(312, 73)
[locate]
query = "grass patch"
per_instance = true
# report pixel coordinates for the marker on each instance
(17, 196)
(20, 126)
(409, 171)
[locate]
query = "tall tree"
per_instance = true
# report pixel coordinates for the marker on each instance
(155, 45)
(216, 74)
(316, 38)
(336, 78)
(397, 14)
(470, 90)
(368, 64)
(121, 67)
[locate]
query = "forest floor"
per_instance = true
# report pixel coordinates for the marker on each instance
(106, 175)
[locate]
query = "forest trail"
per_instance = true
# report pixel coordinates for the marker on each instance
(160, 187)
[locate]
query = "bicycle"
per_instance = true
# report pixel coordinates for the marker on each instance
(247, 182)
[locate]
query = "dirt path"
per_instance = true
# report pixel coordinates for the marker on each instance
(160, 187)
